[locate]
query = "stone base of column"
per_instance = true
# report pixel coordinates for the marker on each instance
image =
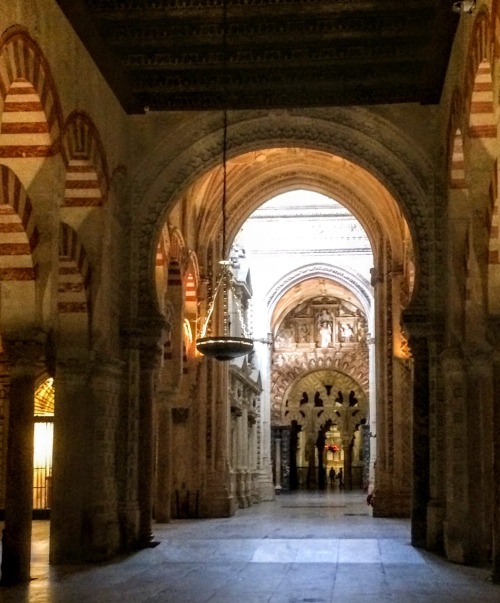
(435, 515)
(128, 517)
(455, 547)
(391, 504)
(217, 500)
(265, 486)
(103, 534)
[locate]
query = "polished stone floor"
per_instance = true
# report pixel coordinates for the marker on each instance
(302, 548)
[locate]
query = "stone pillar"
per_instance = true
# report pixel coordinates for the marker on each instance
(16, 542)
(421, 440)
(494, 336)
(457, 452)
(347, 443)
(277, 460)
(163, 503)
(150, 354)
(480, 445)
(71, 460)
(219, 500)
(127, 444)
(103, 535)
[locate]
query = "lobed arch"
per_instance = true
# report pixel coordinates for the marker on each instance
(31, 115)
(355, 134)
(315, 379)
(351, 364)
(87, 178)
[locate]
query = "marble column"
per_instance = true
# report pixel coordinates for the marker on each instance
(23, 357)
(150, 354)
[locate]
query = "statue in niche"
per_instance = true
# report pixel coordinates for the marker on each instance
(284, 337)
(304, 333)
(346, 332)
(325, 334)
(324, 316)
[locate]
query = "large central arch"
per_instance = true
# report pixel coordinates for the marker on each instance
(358, 135)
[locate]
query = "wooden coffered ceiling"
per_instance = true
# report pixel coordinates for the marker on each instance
(170, 54)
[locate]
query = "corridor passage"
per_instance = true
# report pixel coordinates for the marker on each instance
(302, 548)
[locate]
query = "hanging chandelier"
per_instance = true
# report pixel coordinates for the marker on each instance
(224, 346)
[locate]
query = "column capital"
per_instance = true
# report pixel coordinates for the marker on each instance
(25, 353)
(104, 363)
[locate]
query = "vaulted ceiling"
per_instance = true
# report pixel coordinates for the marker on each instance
(178, 55)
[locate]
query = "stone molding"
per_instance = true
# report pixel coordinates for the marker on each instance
(358, 135)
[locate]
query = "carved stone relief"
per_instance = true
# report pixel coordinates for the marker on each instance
(321, 333)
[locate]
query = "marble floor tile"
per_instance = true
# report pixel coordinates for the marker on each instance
(303, 548)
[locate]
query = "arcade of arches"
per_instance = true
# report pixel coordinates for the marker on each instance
(109, 244)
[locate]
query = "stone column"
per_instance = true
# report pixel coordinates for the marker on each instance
(103, 535)
(421, 439)
(480, 445)
(457, 452)
(347, 443)
(71, 460)
(219, 500)
(150, 354)
(164, 459)
(127, 443)
(16, 542)
(494, 337)
(277, 460)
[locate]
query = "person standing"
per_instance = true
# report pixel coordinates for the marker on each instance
(331, 475)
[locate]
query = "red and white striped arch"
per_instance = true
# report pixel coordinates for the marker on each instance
(18, 232)
(479, 82)
(74, 273)
(192, 281)
(31, 115)
(87, 179)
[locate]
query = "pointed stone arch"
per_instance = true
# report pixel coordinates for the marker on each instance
(87, 179)
(31, 116)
